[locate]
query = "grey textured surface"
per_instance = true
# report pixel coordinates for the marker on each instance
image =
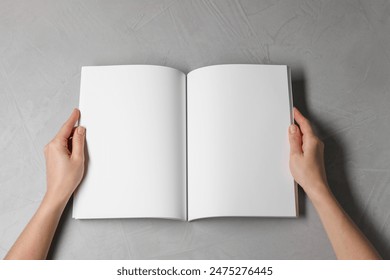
(339, 52)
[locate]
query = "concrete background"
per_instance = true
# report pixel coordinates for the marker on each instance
(339, 52)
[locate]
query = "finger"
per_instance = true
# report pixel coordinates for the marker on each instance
(67, 127)
(295, 139)
(304, 123)
(69, 141)
(78, 142)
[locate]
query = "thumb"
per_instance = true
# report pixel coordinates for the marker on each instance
(295, 139)
(78, 142)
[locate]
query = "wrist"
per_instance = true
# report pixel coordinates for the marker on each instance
(319, 192)
(54, 202)
(50, 208)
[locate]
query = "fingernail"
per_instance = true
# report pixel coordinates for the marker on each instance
(81, 130)
(293, 129)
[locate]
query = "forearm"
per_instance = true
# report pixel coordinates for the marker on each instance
(34, 242)
(347, 240)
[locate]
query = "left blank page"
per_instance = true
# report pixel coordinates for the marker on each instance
(136, 139)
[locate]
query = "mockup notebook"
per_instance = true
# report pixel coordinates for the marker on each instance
(162, 144)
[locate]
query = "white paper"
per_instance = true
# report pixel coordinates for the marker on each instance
(135, 119)
(238, 119)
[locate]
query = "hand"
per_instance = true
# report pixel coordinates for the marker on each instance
(307, 168)
(65, 164)
(307, 157)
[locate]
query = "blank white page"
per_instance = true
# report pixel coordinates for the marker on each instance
(135, 118)
(238, 119)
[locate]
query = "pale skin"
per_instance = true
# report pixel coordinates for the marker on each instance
(65, 169)
(307, 168)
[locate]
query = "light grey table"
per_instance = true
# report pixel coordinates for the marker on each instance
(339, 52)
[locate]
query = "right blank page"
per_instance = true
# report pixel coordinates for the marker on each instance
(238, 119)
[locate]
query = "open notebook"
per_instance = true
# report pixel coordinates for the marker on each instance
(163, 144)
